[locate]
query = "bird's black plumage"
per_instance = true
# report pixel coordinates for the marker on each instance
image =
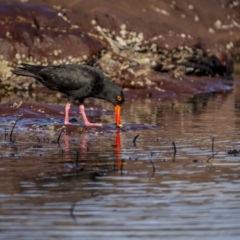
(76, 81)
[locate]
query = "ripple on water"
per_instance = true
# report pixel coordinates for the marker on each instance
(99, 184)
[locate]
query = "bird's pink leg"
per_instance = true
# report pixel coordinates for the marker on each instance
(67, 108)
(87, 123)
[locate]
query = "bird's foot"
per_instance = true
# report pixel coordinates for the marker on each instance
(88, 124)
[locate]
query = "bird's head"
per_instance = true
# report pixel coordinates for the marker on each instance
(114, 94)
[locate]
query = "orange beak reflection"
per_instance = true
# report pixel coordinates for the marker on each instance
(119, 163)
(118, 115)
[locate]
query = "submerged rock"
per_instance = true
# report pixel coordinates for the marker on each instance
(137, 43)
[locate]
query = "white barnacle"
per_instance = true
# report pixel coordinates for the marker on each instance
(190, 6)
(57, 7)
(104, 30)
(129, 41)
(153, 46)
(160, 89)
(162, 11)
(123, 33)
(74, 26)
(99, 28)
(229, 45)
(218, 24)
(8, 34)
(133, 40)
(211, 30)
(148, 81)
(140, 36)
(55, 53)
(235, 3)
(121, 41)
(17, 56)
(137, 48)
(134, 34)
(182, 35)
(196, 18)
(123, 27)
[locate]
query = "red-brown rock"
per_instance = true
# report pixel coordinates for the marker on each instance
(137, 43)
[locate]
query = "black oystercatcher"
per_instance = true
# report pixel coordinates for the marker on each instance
(78, 82)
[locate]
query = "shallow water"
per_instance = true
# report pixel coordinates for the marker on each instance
(96, 183)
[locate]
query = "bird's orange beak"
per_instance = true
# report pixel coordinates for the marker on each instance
(118, 115)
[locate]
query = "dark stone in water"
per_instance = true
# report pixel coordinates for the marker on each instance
(233, 152)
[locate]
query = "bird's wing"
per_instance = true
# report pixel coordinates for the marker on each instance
(71, 77)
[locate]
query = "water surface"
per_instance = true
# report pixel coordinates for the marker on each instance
(97, 183)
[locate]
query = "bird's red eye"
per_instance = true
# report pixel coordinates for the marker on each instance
(119, 98)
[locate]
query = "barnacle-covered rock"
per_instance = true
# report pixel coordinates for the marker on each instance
(135, 43)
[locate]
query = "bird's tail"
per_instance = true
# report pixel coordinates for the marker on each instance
(22, 72)
(27, 70)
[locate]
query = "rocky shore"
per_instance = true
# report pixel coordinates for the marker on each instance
(175, 47)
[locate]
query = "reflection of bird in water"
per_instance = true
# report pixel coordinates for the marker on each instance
(83, 149)
(77, 82)
(79, 154)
